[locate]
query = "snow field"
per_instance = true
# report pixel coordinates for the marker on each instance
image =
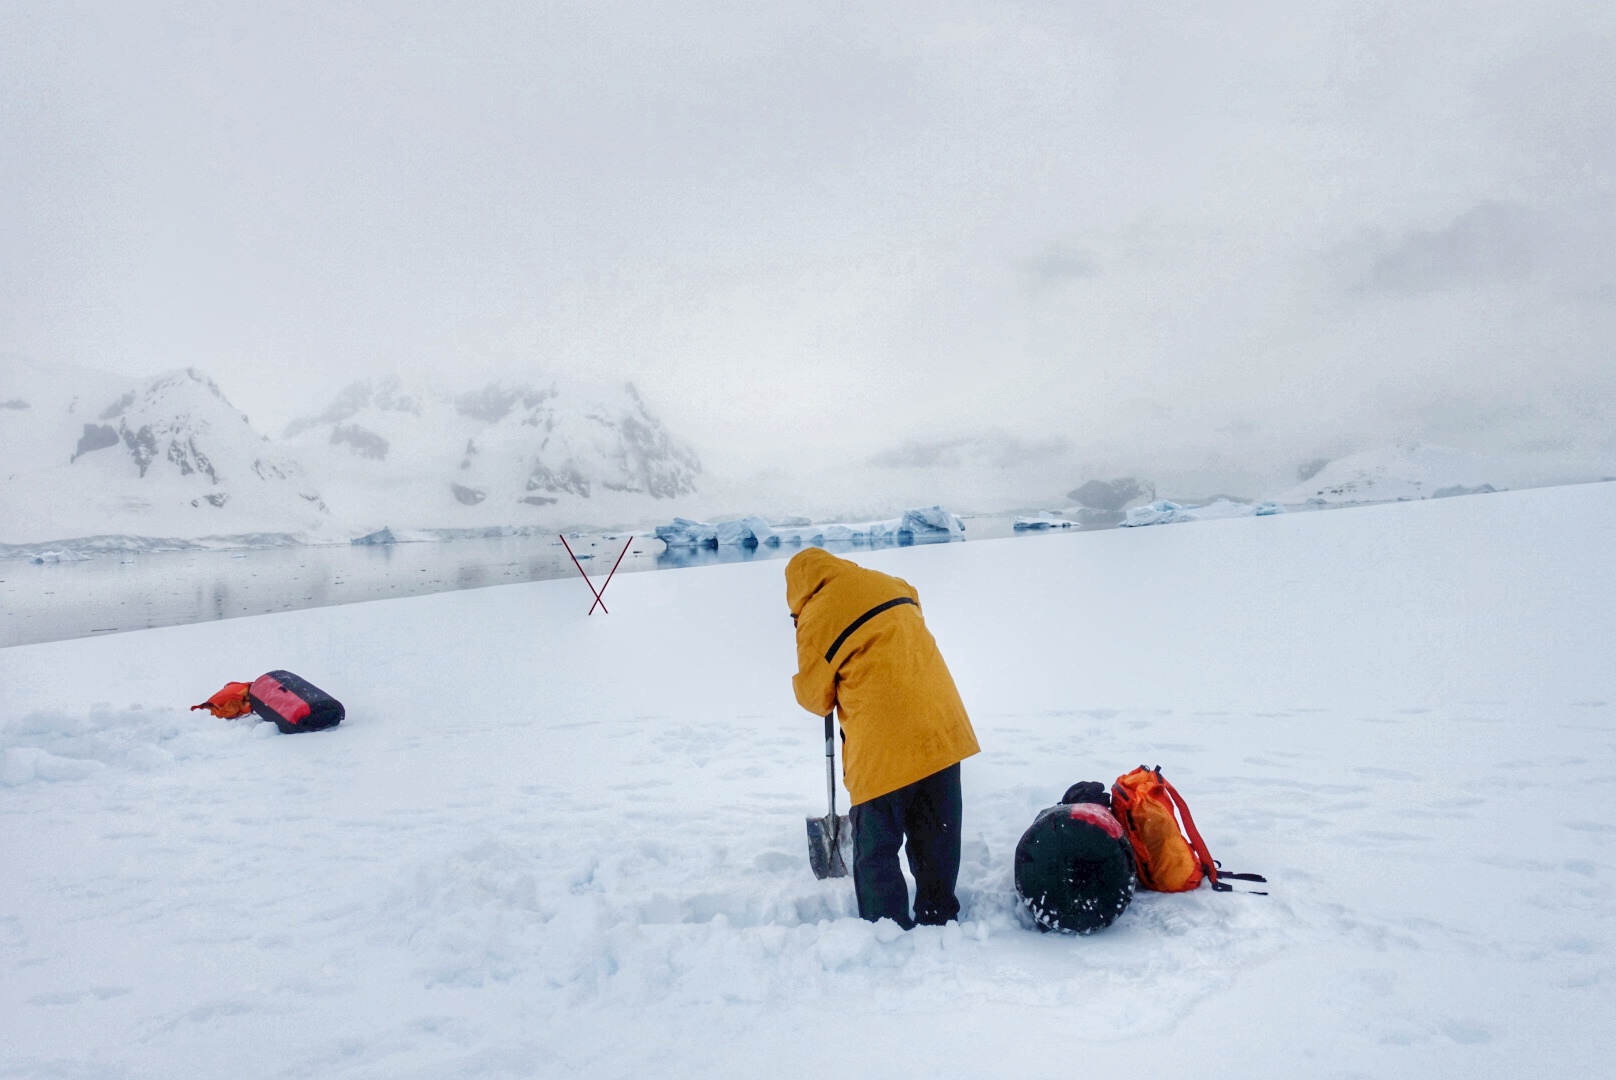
(545, 844)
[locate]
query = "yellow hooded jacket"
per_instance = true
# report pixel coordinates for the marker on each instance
(880, 669)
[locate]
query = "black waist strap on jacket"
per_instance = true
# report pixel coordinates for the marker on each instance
(860, 621)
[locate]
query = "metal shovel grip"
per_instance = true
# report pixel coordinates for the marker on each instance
(830, 763)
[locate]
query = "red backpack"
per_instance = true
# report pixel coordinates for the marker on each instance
(1145, 803)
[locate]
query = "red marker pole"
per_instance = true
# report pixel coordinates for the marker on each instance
(591, 584)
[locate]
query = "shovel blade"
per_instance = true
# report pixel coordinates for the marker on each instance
(830, 840)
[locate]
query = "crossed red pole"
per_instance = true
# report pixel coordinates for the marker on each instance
(600, 595)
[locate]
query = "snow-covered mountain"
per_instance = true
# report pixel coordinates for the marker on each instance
(87, 454)
(508, 453)
(1402, 473)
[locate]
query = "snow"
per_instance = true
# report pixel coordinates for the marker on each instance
(169, 461)
(552, 844)
(505, 453)
(1412, 471)
(167, 456)
(93, 461)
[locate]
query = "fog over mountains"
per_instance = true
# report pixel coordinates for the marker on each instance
(132, 461)
(90, 454)
(493, 455)
(853, 258)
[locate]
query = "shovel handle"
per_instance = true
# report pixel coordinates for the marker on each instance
(830, 763)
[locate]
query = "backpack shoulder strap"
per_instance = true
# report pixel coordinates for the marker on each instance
(1209, 865)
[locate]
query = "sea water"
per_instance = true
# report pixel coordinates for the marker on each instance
(120, 591)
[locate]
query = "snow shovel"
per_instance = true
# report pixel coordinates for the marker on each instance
(831, 835)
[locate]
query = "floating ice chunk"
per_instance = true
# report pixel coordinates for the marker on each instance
(1166, 512)
(380, 536)
(748, 530)
(927, 522)
(1160, 512)
(60, 556)
(932, 521)
(686, 533)
(731, 533)
(1043, 521)
(762, 532)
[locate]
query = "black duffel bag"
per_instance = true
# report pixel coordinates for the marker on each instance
(1074, 869)
(292, 703)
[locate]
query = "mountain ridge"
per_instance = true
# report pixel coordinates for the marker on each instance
(168, 459)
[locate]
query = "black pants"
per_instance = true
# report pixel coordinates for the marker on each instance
(926, 814)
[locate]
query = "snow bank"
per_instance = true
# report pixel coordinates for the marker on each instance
(551, 844)
(53, 745)
(923, 523)
(1166, 512)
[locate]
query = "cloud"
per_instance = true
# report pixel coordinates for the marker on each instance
(809, 234)
(991, 450)
(1058, 264)
(1489, 243)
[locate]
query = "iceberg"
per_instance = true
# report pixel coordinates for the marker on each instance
(383, 535)
(60, 555)
(748, 530)
(686, 533)
(926, 523)
(1160, 512)
(1044, 521)
(932, 521)
(1167, 512)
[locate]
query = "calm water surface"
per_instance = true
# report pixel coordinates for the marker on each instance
(117, 592)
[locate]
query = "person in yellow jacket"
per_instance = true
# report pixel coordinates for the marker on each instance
(864, 650)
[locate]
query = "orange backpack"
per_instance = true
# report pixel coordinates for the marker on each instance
(1144, 802)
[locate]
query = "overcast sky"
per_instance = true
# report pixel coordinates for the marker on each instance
(1143, 234)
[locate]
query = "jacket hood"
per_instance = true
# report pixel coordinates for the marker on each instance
(807, 573)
